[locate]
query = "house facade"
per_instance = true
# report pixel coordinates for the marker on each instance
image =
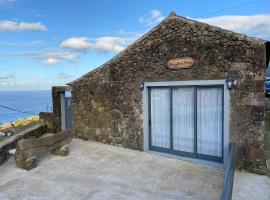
(185, 88)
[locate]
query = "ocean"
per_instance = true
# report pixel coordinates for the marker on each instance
(31, 102)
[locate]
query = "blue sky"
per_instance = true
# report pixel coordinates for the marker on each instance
(52, 42)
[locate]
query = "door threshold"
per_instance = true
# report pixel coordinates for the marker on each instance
(204, 163)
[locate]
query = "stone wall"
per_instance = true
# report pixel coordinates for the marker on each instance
(47, 119)
(32, 132)
(56, 100)
(107, 103)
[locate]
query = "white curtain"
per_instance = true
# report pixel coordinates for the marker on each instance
(183, 119)
(160, 117)
(209, 121)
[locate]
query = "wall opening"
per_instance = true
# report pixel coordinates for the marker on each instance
(167, 94)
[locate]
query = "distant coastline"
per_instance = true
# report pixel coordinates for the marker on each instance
(7, 130)
(19, 122)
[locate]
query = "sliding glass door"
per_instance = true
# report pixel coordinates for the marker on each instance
(187, 121)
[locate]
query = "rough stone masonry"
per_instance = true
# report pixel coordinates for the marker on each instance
(107, 102)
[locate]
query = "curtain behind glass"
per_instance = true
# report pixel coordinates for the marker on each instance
(209, 121)
(183, 119)
(160, 117)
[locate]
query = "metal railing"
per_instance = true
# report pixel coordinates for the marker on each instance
(229, 176)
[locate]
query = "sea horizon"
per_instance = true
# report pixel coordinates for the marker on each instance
(29, 102)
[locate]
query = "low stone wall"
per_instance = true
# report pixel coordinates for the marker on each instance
(32, 132)
(28, 149)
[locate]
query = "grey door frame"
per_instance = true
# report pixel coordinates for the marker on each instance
(68, 112)
(63, 110)
(196, 83)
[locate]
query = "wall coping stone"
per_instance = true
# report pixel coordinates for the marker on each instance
(19, 136)
(62, 88)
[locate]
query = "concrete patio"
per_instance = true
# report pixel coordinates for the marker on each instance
(99, 171)
(250, 186)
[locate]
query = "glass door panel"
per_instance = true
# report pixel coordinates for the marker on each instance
(183, 119)
(160, 117)
(209, 121)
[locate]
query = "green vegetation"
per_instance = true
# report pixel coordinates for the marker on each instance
(20, 122)
(17, 123)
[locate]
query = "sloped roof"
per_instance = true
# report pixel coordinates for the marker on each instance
(172, 15)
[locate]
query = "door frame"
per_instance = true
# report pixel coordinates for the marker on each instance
(63, 96)
(68, 112)
(196, 83)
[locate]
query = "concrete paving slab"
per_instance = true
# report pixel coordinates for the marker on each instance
(248, 186)
(99, 171)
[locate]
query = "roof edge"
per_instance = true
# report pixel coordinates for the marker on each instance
(172, 15)
(239, 35)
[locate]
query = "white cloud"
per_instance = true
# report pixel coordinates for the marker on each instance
(53, 58)
(68, 56)
(101, 44)
(254, 25)
(25, 26)
(107, 44)
(11, 26)
(76, 43)
(154, 17)
(51, 61)
(48, 57)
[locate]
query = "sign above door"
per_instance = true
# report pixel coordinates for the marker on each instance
(180, 63)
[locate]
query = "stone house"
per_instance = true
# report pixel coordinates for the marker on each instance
(185, 88)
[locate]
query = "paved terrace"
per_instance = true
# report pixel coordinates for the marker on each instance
(99, 171)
